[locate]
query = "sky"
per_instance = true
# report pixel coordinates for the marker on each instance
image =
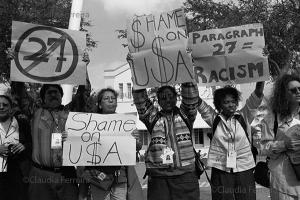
(107, 16)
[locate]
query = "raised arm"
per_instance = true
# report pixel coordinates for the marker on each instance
(190, 96)
(208, 114)
(250, 109)
(79, 101)
(146, 110)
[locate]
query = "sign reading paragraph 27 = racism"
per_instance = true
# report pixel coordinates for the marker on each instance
(100, 140)
(229, 55)
(47, 54)
(157, 44)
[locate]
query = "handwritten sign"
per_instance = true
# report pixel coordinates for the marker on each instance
(99, 140)
(234, 54)
(158, 44)
(47, 54)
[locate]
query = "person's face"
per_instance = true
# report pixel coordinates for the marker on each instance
(294, 90)
(5, 109)
(52, 97)
(228, 105)
(108, 103)
(15, 105)
(167, 100)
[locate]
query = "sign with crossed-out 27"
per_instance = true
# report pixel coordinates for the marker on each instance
(46, 54)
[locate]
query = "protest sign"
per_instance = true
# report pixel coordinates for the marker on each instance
(229, 55)
(99, 140)
(47, 54)
(158, 44)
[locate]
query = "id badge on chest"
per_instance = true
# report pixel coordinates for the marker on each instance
(167, 156)
(231, 159)
(56, 141)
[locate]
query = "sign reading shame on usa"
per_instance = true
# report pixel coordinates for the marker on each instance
(100, 140)
(158, 44)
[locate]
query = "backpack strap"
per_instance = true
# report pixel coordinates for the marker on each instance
(215, 124)
(241, 120)
(275, 124)
(244, 125)
(275, 128)
(186, 121)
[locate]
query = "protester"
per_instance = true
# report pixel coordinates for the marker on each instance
(20, 164)
(113, 182)
(277, 142)
(170, 158)
(230, 153)
(9, 146)
(48, 179)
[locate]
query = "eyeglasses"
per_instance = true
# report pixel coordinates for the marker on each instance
(109, 98)
(295, 90)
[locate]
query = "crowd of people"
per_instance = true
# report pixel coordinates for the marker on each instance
(31, 168)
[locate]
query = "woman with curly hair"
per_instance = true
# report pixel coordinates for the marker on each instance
(230, 155)
(278, 140)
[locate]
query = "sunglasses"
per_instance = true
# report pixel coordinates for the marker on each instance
(295, 90)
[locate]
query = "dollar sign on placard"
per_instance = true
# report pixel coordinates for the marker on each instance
(156, 49)
(92, 150)
(138, 38)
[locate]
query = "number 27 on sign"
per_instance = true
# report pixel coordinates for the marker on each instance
(220, 48)
(43, 54)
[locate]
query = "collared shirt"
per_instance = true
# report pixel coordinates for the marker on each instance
(9, 134)
(229, 134)
(45, 123)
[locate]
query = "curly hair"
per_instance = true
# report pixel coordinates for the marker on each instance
(220, 94)
(100, 96)
(280, 101)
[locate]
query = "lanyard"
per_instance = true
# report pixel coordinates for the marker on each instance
(54, 120)
(231, 133)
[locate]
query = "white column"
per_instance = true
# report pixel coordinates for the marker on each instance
(74, 24)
